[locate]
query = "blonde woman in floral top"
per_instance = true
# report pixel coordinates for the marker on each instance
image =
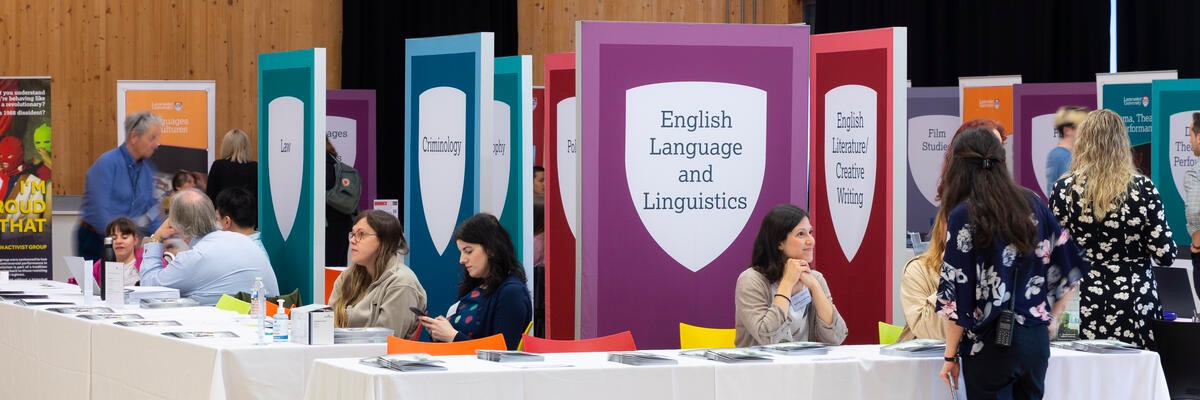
(1004, 251)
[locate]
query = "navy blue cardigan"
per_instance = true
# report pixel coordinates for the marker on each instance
(509, 311)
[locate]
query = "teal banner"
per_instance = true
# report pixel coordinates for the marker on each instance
(448, 100)
(1132, 102)
(291, 143)
(506, 160)
(1173, 102)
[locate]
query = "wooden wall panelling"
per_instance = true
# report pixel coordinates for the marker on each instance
(548, 26)
(87, 45)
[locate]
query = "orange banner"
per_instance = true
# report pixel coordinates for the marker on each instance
(184, 114)
(991, 102)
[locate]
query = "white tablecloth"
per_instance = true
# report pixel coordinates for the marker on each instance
(73, 358)
(847, 372)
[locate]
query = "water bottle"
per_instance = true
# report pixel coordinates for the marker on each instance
(281, 323)
(109, 256)
(258, 306)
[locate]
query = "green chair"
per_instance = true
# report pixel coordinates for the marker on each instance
(230, 303)
(888, 333)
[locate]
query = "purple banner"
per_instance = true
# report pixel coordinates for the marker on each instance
(350, 126)
(1034, 106)
(932, 120)
(685, 147)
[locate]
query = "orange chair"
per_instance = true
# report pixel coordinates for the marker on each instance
(466, 347)
(616, 342)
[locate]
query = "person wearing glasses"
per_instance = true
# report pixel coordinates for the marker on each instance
(1059, 160)
(121, 184)
(218, 263)
(377, 289)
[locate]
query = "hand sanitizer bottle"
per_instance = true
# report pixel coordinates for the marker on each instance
(281, 323)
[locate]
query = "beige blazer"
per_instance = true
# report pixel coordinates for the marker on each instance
(759, 321)
(387, 301)
(918, 294)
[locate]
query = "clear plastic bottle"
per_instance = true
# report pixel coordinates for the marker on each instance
(258, 306)
(281, 323)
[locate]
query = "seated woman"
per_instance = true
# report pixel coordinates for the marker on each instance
(492, 294)
(377, 289)
(127, 244)
(781, 298)
(918, 288)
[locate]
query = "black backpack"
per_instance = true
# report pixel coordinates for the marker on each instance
(346, 191)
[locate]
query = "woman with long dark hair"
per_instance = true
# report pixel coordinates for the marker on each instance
(492, 294)
(1008, 267)
(781, 297)
(1116, 215)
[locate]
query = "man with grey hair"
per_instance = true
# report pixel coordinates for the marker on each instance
(121, 184)
(218, 262)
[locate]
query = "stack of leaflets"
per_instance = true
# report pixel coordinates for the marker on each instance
(404, 362)
(915, 348)
(508, 356)
(1103, 346)
(641, 358)
(361, 335)
(109, 316)
(168, 303)
(795, 348)
(81, 310)
(31, 303)
(201, 334)
(729, 355)
(141, 324)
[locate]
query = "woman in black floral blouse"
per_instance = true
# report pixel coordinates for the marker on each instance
(1116, 216)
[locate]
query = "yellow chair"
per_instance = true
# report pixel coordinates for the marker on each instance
(889, 333)
(521, 344)
(230, 303)
(698, 337)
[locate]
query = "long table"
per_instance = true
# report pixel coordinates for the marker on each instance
(847, 372)
(48, 355)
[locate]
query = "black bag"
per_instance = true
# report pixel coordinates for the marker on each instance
(347, 189)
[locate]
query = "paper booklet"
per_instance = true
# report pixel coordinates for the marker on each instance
(508, 356)
(641, 358)
(140, 324)
(81, 310)
(405, 362)
(915, 348)
(30, 303)
(728, 355)
(168, 303)
(201, 334)
(108, 316)
(1101, 346)
(795, 348)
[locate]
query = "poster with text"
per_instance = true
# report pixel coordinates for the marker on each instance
(932, 121)
(989, 97)
(350, 127)
(685, 147)
(1128, 95)
(291, 155)
(448, 100)
(25, 177)
(561, 158)
(1173, 102)
(858, 202)
(188, 111)
(1035, 105)
(506, 157)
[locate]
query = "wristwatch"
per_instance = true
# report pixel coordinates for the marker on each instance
(951, 359)
(154, 239)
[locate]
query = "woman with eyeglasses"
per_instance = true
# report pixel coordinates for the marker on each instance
(493, 297)
(377, 289)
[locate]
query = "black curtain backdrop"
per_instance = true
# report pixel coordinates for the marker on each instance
(373, 58)
(1159, 35)
(1043, 41)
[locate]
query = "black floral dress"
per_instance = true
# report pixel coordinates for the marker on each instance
(1119, 297)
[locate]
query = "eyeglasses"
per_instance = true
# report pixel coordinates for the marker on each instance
(358, 236)
(137, 121)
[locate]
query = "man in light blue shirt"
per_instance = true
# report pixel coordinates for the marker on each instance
(121, 184)
(219, 262)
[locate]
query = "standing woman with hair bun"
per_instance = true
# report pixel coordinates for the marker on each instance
(1117, 217)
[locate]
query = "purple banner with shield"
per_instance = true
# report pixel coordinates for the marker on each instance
(685, 147)
(1035, 137)
(350, 127)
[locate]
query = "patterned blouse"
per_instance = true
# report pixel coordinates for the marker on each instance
(976, 282)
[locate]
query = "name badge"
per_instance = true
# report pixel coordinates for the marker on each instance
(801, 300)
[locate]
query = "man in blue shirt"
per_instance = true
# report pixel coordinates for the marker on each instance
(218, 262)
(121, 184)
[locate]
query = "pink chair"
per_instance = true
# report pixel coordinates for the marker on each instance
(616, 342)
